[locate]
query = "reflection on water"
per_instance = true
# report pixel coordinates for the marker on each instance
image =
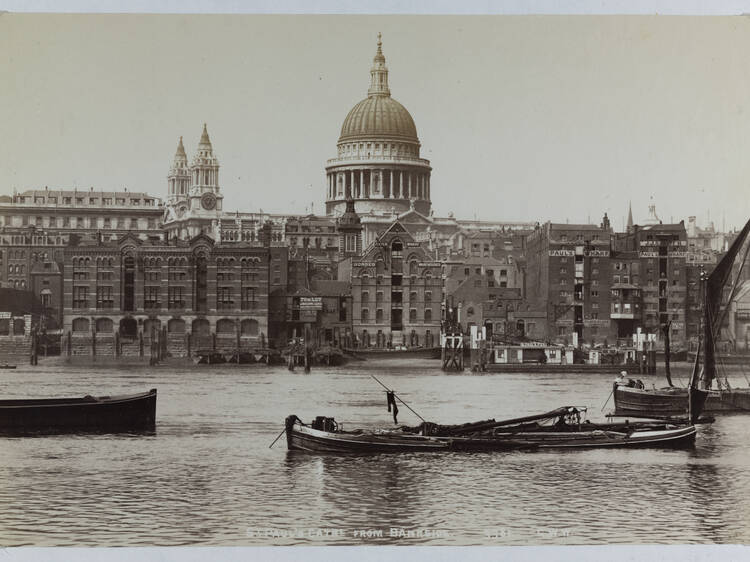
(207, 476)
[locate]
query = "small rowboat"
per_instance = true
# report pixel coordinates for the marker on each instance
(6, 366)
(59, 415)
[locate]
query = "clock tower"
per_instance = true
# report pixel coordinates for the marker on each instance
(194, 199)
(205, 197)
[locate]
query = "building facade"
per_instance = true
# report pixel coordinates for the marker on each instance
(568, 278)
(193, 295)
(653, 260)
(396, 292)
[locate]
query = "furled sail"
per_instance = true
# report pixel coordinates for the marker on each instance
(712, 304)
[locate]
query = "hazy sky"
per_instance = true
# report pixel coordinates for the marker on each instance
(523, 118)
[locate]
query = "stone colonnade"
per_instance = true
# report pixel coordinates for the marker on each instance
(378, 183)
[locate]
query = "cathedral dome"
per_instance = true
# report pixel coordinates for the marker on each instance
(378, 116)
(377, 167)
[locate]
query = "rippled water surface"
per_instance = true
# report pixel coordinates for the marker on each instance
(207, 475)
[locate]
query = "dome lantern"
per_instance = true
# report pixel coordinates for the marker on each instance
(379, 74)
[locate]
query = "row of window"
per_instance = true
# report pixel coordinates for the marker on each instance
(175, 298)
(201, 326)
(365, 315)
(81, 222)
(379, 296)
(378, 149)
(68, 200)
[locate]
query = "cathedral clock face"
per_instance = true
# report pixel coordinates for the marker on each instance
(208, 201)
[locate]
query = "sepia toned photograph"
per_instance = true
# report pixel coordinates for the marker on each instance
(345, 280)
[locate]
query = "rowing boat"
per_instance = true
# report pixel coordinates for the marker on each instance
(89, 413)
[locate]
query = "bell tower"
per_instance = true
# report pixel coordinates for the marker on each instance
(350, 231)
(205, 194)
(178, 180)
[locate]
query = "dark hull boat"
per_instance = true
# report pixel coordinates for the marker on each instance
(134, 412)
(6, 366)
(634, 400)
(564, 428)
(529, 433)
(673, 401)
(323, 436)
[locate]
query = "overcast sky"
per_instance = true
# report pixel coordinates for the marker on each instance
(523, 118)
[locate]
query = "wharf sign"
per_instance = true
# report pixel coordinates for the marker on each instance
(429, 264)
(311, 303)
(594, 322)
(643, 254)
(589, 253)
(363, 264)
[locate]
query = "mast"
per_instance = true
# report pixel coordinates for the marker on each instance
(714, 288)
(696, 396)
(667, 370)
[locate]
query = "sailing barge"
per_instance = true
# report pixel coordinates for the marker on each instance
(133, 412)
(560, 428)
(634, 400)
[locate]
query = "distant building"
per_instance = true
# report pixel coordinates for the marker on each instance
(119, 295)
(568, 278)
(653, 278)
(396, 292)
(35, 225)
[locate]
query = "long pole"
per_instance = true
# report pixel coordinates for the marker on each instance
(279, 437)
(608, 397)
(399, 399)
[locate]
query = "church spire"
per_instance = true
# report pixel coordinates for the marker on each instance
(180, 155)
(630, 217)
(205, 142)
(178, 180)
(379, 74)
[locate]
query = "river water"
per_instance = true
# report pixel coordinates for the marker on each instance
(208, 477)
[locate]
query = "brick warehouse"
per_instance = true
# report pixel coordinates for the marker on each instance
(192, 295)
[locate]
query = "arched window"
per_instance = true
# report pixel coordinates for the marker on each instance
(225, 326)
(249, 327)
(413, 267)
(104, 326)
(176, 326)
(379, 265)
(80, 325)
(201, 327)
